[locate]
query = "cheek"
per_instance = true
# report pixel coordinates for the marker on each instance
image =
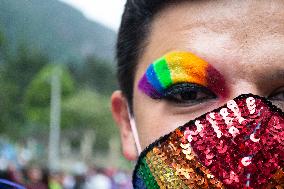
(149, 121)
(155, 118)
(152, 125)
(152, 120)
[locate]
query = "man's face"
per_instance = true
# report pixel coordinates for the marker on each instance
(243, 40)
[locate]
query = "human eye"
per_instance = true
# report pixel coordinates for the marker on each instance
(278, 95)
(188, 94)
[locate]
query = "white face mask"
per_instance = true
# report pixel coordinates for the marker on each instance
(134, 131)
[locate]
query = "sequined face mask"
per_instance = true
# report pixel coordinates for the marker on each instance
(239, 145)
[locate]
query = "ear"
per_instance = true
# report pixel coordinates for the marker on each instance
(120, 114)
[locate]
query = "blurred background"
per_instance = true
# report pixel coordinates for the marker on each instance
(57, 73)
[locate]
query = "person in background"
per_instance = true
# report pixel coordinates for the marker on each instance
(80, 181)
(97, 178)
(55, 180)
(35, 178)
(14, 174)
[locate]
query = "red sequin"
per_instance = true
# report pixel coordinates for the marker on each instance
(245, 152)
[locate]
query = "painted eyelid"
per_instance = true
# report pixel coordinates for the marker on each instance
(178, 67)
(171, 69)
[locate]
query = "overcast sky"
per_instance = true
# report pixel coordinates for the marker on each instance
(107, 12)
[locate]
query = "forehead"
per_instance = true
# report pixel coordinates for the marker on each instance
(223, 31)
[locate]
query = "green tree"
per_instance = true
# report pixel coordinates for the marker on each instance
(95, 73)
(2, 46)
(37, 97)
(88, 110)
(16, 71)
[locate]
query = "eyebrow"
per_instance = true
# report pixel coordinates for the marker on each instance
(180, 67)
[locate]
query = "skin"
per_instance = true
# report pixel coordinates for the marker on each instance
(242, 39)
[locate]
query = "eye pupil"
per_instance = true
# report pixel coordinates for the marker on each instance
(192, 95)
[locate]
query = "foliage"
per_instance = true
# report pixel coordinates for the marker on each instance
(29, 40)
(88, 109)
(81, 110)
(95, 73)
(16, 71)
(2, 45)
(37, 98)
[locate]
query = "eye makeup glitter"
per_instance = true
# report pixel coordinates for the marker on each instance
(180, 67)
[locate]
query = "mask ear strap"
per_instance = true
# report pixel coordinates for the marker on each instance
(135, 132)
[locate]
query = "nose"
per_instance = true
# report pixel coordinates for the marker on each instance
(244, 87)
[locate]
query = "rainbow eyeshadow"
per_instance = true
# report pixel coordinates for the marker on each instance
(180, 67)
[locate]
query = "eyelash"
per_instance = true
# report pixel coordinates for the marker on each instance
(175, 94)
(275, 94)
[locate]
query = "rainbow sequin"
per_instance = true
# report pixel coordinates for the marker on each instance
(180, 67)
(239, 145)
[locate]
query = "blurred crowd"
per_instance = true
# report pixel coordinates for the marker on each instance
(35, 177)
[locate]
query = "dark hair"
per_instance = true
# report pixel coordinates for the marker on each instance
(133, 31)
